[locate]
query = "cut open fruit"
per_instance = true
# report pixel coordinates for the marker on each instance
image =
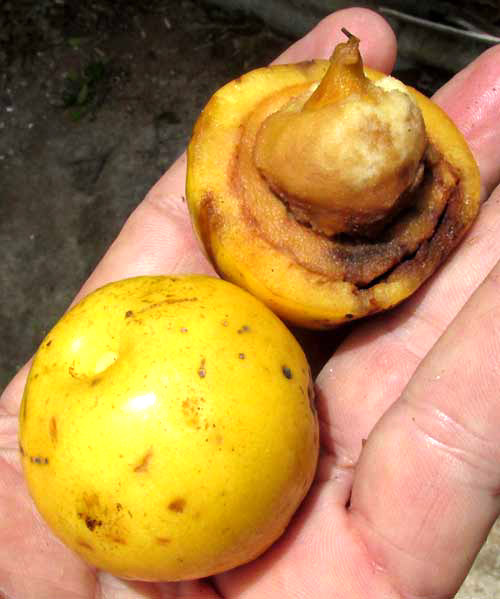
(328, 190)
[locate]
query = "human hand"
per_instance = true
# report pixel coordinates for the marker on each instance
(423, 490)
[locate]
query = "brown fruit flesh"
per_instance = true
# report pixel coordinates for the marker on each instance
(308, 278)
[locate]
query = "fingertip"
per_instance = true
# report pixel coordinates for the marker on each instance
(378, 44)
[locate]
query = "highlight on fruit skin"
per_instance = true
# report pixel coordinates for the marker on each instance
(327, 189)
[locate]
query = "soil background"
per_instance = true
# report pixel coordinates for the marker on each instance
(97, 99)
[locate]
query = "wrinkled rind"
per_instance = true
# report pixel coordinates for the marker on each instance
(240, 254)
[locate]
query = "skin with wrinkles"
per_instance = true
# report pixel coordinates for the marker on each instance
(426, 481)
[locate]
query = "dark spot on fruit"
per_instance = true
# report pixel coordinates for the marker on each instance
(225, 323)
(24, 407)
(349, 315)
(184, 330)
(49, 343)
(95, 382)
(143, 465)
(119, 507)
(38, 460)
(312, 396)
(91, 523)
(202, 371)
(286, 372)
(210, 221)
(53, 429)
(241, 356)
(177, 505)
(129, 314)
(84, 544)
(162, 540)
(244, 329)
(21, 449)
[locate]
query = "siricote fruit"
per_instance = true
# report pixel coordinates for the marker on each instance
(167, 428)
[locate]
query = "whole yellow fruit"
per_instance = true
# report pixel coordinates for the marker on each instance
(167, 427)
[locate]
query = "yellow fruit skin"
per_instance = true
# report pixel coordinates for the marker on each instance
(233, 243)
(167, 428)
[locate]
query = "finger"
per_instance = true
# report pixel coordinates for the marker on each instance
(157, 238)
(471, 99)
(435, 459)
(378, 44)
(387, 349)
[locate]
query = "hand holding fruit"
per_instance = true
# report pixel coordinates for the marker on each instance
(398, 519)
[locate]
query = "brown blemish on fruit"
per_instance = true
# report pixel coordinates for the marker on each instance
(95, 382)
(209, 222)
(191, 409)
(202, 371)
(129, 314)
(163, 540)
(287, 373)
(143, 465)
(49, 343)
(183, 330)
(84, 544)
(312, 396)
(241, 356)
(92, 523)
(177, 505)
(39, 460)
(244, 329)
(21, 449)
(167, 301)
(53, 429)
(119, 507)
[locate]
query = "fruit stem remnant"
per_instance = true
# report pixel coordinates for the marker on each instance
(344, 77)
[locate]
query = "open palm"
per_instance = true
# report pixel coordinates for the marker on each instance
(409, 409)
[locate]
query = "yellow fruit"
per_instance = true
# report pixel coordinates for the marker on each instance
(167, 428)
(326, 189)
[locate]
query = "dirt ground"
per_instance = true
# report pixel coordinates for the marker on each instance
(96, 100)
(94, 105)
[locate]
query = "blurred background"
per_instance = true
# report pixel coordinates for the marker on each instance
(97, 98)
